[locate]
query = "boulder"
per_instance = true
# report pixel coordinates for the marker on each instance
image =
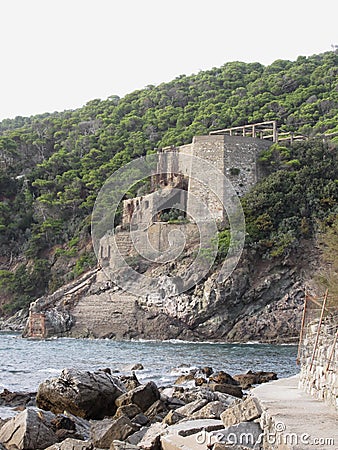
(136, 437)
(199, 381)
(17, 399)
(30, 429)
(195, 393)
(69, 426)
(184, 379)
(90, 395)
(172, 417)
(152, 437)
(143, 396)
(191, 408)
(207, 371)
(157, 411)
(212, 410)
(35, 428)
(246, 380)
(128, 410)
(230, 389)
(223, 378)
(141, 420)
(104, 432)
(130, 381)
(246, 410)
(72, 444)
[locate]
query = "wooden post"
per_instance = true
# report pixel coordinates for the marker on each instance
(332, 351)
(302, 329)
(274, 131)
(318, 329)
(253, 131)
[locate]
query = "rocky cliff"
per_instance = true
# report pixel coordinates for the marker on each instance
(262, 300)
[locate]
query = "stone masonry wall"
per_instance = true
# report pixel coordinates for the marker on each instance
(159, 237)
(236, 157)
(321, 378)
(241, 161)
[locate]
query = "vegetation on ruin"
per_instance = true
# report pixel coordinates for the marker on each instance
(53, 165)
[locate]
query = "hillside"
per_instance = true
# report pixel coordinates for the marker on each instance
(53, 165)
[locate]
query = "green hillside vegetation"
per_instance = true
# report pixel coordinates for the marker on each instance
(53, 165)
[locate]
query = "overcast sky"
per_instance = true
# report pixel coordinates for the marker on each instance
(59, 54)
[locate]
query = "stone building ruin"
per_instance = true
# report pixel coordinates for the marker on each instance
(176, 184)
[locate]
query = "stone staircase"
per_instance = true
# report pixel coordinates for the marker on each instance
(98, 315)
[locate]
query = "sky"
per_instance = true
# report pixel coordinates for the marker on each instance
(60, 54)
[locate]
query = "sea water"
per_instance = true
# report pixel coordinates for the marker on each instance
(25, 363)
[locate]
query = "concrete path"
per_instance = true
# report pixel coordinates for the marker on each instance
(306, 423)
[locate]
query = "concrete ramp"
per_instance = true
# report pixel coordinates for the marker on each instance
(293, 420)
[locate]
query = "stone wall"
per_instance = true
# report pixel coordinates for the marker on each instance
(236, 157)
(158, 238)
(319, 374)
(241, 161)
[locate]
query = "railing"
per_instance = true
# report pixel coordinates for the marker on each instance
(262, 130)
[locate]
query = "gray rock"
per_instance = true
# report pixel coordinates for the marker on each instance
(191, 408)
(152, 437)
(30, 429)
(136, 437)
(90, 395)
(141, 420)
(143, 396)
(212, 410)
(223, 378)
(230, 389)
(246, 380)
(17, 322)
(248, 409)
(130, 411)
(184, 379)
(72, 444)
(130, 381)
(105, 431)
(192, 394)
(157, 411)
(173, 417)
(17, 399)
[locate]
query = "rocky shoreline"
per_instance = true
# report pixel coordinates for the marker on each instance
(83, 410)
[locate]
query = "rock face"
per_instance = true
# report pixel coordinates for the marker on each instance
(15, 323)
(90, 395)
(262, 300)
